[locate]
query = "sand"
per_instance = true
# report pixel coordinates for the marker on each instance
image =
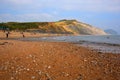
(14, 34)
(24, 60)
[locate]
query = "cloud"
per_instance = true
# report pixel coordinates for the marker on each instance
(93, 5)
(27, 17)
(17, 2)
(68, 5)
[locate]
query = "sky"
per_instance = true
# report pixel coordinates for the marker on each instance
(104, 14)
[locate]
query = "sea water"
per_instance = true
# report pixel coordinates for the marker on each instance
(110, 39)
(102, 43)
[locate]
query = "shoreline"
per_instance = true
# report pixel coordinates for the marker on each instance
(100, 43)
(100, 47)
(96, 46)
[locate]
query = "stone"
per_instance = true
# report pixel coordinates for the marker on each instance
(39, 72)
(12, 78)
(66, 74)
(30, 56)
(49, 67)
(34, 61)
(28, 69)
(85, 60)
(33, 77)
(80, 77)
(48, 76)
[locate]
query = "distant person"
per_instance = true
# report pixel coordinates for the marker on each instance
(7, 34)
(22, 34)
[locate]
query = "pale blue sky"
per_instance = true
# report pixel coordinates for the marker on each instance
(104, 14)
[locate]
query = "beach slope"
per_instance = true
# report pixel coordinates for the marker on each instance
(23, 60)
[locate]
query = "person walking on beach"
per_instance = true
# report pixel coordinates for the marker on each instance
(7, 33)
(22, 34)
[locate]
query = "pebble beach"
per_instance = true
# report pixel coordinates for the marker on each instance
(26, 60)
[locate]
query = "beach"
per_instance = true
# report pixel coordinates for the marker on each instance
(42, 60)
(18, 34)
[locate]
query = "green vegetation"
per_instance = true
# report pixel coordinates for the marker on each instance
(18, 26)
(68, 21)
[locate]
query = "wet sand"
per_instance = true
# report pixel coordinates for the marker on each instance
(100, 47)
(25, 60)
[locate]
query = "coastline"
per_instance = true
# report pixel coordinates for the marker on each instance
(100, 43)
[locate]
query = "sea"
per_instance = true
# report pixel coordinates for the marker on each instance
(100, 43)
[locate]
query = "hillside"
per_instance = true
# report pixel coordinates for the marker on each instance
(59, 27)
(111, 31)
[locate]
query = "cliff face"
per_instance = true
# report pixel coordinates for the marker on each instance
(59, 27)
(79, 28)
